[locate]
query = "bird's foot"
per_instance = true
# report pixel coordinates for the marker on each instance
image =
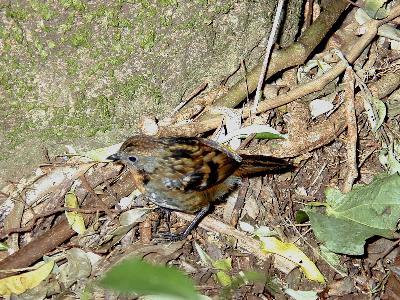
(170, 237)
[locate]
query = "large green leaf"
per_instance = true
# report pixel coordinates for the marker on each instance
(352, 218)
(139, 277)
(376, 9)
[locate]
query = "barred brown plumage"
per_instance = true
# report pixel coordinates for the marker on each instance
(189, 173)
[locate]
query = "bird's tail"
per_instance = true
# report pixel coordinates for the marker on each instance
(256, 165)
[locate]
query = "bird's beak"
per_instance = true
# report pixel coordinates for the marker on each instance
(114, 157)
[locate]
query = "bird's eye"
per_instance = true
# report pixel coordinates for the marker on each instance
(132, 158)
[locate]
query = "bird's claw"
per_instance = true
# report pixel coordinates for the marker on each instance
(170, 237)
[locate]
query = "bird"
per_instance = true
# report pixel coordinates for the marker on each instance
(189, 174)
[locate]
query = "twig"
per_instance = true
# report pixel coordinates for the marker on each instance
(319, 173)
(196, 91)
(245, 79)
(239, 202)
(62, 231)
(320, 82)
(384, 254)
(244, 241)
(282, 59)
(309, 11)
(246, 141)
(365, 157)
(207, 122)
(5, 232)
(294, 55)
(352, 170)
(91, 191)
(326, 131)
(271, 41)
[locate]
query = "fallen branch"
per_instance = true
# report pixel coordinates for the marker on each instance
(62, 231)
(294, 55)
(351, 120)
(326, 131)
(4, 233)
(245, 242)
(211, 122)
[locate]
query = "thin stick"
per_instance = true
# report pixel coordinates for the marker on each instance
(193, 94)
(244, 241)
(352, 136)
(271, 41)
(6, 232)
(91, 191)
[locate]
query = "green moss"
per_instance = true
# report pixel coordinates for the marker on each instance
(17, 135)
(127, 46)
(117, 36)
(95, 15)
(51, 44)
(47, 28)
(16, 78)
(99, 66)
(190, 24)
(116, 61)
(42, 8)
(125, 23)
(129, 88)
(202, 2)
(136, 86)
(173, 3)
(68, 24)
(72, 66)
(90, 115)
(105, 107)
(80, 38)
(5, 81)
(224, 8)
(17, 34)
(76, 5)
(40, 48)
(16, 13)
(112, 39)
(166, 21)
(143, 3)
(112, 17)
(155, 93)
(147, 40)
(147, 12)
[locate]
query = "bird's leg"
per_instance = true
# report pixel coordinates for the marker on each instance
(165, 214)
(182, 235)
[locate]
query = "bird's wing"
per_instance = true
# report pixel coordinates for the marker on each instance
(195, 164)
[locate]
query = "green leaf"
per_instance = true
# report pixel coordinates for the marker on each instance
(352, 218)
(333, 196)
(380, 108)
(376, 9)
(333, 260)
(393, 163)
(268, 136)
(223, 264)
(393, 104)
(101, 154)
(74, 218)
(158, 297)
(141, 278)
(223, 278)
(301, 217)
(3, 246)
(390, 32)
(204, 257)
(302, 295)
